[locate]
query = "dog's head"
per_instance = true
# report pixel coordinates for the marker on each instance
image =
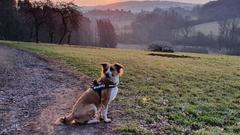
(112, 71)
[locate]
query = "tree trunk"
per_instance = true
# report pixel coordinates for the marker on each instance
(62, 37)
(31, 33)
(65, 30)
(51, 36)
(37, 33)
(69, 37)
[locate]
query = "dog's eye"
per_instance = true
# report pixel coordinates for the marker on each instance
(111, 69)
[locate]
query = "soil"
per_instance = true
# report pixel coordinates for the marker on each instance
(35, 92)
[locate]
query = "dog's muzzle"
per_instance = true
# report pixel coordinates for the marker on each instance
(107, 75)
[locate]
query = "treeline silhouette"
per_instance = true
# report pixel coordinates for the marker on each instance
(45, 21)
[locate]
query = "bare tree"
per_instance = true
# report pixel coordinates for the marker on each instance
(51, 20)
(229, 33)
(7, 19)
(186, 31)
(43, 20)
(75, 21)
(38, 15)
(70, 19)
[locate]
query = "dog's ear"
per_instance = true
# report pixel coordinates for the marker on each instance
(104, 64)
(120, 68)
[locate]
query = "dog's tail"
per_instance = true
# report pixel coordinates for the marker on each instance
(66, 120)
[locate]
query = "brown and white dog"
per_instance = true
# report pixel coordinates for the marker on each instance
(91, 104)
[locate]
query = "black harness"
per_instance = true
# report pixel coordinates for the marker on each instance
(98, 87)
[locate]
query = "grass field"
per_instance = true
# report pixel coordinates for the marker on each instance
(199, 95)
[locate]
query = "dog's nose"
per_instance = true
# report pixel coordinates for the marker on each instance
(107, 75)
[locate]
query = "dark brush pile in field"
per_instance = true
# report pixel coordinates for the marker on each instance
(171, 55)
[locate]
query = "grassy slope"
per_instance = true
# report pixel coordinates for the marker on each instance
(208, 28)
(200, 95)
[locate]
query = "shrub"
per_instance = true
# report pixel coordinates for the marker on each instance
(161, 47)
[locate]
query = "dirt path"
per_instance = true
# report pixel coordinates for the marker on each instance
(35, 92)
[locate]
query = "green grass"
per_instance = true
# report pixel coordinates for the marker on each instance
(197, 96)
(132, 128)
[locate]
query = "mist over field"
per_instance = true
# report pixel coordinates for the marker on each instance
(189, 27)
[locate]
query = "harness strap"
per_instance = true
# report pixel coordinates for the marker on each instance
(98, 87)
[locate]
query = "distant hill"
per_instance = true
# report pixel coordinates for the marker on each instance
(220, 10)
(137, 6)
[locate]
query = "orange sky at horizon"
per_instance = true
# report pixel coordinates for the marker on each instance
(103, 2)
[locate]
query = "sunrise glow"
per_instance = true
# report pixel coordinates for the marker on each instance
(102, 2)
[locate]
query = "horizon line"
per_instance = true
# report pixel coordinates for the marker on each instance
(91, 5)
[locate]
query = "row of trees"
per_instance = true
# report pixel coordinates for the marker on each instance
(227, 40)
(160, 25)
(170, 26)
(229, 34)
(106, 33)
(7, 19)
(45, 21)
(61, 19)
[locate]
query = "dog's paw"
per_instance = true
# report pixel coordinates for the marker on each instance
(60, 121)
(93, 121)
(107, 120)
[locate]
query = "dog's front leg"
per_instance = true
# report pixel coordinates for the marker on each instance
(105, 113)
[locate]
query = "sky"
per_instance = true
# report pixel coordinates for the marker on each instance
(103, 2)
